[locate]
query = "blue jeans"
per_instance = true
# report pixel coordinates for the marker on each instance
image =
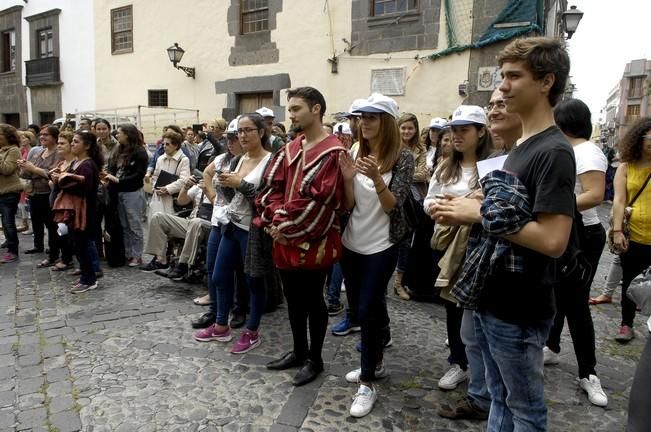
(131, 206)
(403, 254)
(230, 255)
(83, 248)
(513, 359)
(367, 277)
(94, 256)
(477, 390)
(8, 208)
(335, 279)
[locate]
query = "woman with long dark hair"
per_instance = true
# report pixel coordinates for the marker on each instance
(632, 179)
(125, 174)
(37, 170)
(10, 187)
(80, 183)
(243, 177)
(457, 176)
(377, 179)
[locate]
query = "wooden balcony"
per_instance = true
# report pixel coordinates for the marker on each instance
(43, 72)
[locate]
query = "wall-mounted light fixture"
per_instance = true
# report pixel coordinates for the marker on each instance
(175, 53)
(571, 19)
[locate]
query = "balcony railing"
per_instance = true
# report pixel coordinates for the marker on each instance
(43, 72)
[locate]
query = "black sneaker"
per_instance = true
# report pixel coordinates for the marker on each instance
(178, 273)
(153, 266)
(335, 309)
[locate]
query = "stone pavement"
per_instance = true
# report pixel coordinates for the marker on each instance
(122, 358)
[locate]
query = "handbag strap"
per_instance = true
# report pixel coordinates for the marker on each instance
(646, 182)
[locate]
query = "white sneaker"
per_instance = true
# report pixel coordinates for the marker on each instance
(453, 377)
(550, 357)
(592, 386)
(353, 376)
(447, 342)
(363, 401)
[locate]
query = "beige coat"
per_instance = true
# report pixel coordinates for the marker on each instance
(177, 164)
(9, 180)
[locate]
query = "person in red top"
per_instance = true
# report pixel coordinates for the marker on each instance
(298, 208)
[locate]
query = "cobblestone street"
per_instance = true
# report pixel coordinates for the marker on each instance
(122, 358)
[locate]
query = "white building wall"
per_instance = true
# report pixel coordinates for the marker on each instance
(76, 46)
(302, 36)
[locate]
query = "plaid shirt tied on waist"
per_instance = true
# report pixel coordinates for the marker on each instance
(505, 210)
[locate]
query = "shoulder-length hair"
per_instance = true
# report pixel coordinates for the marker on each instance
(409, 117)
(11, 133)
(630, 146)
(258, 120)
(390, 145)
(451, 170)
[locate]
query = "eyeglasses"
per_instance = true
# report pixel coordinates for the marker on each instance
(246, 131)
(495, 105)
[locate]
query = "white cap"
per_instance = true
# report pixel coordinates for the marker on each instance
(343, 129)
(468, 114)
(438, 123)
(265, 112)
(232, 127)
(353, 107)
(378, 103)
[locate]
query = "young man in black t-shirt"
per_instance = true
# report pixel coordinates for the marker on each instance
(516, 309)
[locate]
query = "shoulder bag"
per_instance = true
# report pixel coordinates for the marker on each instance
(625, 221)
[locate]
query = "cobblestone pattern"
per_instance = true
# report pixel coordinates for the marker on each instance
(122, 358)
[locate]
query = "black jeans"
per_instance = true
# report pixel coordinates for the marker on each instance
(635, 260)
(304, 293)
(639, 414)
(572, 303)
(8, 208)
(42, 218)
(453, 316)
(82, 241)
(367, 277)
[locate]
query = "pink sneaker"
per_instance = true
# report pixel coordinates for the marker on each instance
(246, 343)
(212, 334)
(8, 257)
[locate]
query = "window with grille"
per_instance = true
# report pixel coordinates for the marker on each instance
(385, 7)
(122, 30)
(389, 82)
(8, 51)
(254, 16)
(157, 98)
(45, 43)
(633, 110)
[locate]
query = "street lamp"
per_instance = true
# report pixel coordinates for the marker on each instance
(571, 19)
(175, 53)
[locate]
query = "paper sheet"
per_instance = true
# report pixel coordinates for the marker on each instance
(488, 165)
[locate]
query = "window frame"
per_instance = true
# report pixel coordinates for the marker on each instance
(636, 86)
(39, 53)
(157, 93)
(114, 33)
(372, 5)
(8, 60)
(243, 13)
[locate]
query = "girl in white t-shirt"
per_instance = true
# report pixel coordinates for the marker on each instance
(455, 177)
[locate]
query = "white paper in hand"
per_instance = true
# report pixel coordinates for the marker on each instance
(488, 165)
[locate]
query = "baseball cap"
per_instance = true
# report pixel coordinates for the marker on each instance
(265, 112)
(468, 114)
(378, 103)
(343, 128)
(232, 127)
(353, 107)
(438, 123)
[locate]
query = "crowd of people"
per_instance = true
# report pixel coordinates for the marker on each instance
(504, 197)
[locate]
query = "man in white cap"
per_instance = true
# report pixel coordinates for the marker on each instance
(274, 142)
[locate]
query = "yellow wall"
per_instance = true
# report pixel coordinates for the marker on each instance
(304, 41)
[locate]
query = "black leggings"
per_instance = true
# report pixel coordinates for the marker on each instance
(304, 293)
(42, 218)
(634, 261)
(572, 302)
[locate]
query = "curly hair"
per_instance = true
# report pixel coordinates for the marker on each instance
(10, 132)
(630, 146)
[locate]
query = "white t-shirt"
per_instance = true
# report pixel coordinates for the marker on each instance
(588, 158)
(429, 161)
(220, 205)
(367, 231)
(240, 212)
(461, 187)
